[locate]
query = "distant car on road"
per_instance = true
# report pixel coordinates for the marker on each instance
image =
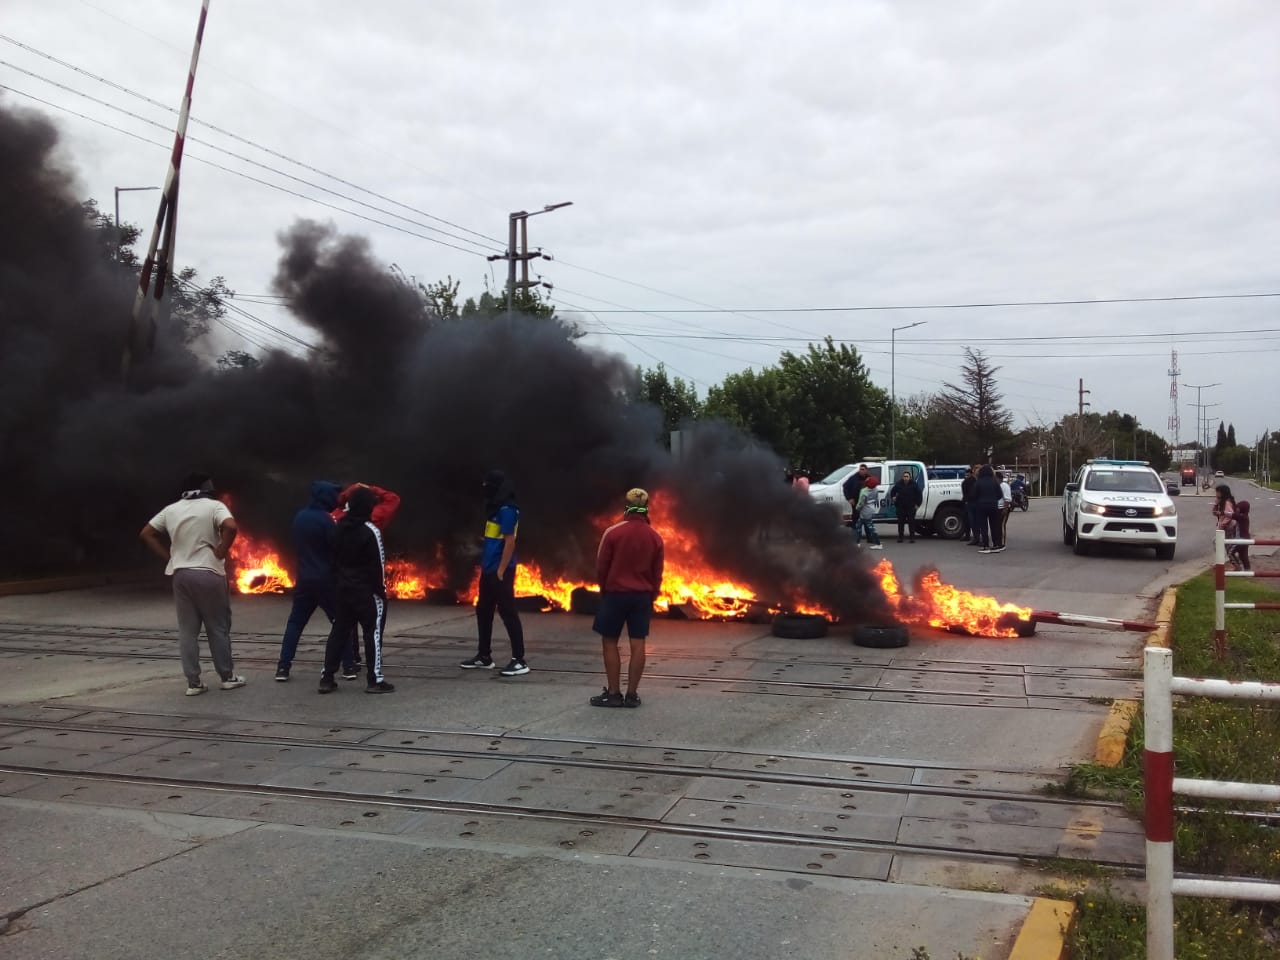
(1172, 486)
(1119, 501)
(1218, 474)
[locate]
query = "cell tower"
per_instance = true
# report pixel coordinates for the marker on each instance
(1175, 422)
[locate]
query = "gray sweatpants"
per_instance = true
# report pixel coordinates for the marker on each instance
(202, 597)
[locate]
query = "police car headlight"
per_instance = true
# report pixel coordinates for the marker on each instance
(1092, 508)
(1170, 511)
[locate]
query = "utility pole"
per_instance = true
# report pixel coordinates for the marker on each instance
(1083, 403)
(523, 257)
(1206, 435)
(1200, 436)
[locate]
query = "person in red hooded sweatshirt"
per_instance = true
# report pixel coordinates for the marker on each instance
(629, 570)
(386, 503)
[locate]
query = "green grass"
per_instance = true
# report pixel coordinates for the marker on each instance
(1115, 928)
(1213, 739)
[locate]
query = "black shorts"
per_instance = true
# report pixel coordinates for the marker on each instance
(617, 609)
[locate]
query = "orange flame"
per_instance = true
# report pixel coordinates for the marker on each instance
(938, 604)
(405, 581)
(257, 567)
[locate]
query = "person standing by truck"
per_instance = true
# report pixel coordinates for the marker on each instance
(986, 494)
(852, 488)
(970, 505)
(865, 511)
(906, 497)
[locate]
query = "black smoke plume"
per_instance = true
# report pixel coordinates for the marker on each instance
(391, 395)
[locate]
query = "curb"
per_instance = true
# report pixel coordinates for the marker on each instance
(1115, 729)
(1044, 933)
(17, 588)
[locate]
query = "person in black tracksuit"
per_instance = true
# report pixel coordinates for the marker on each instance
(360, 587)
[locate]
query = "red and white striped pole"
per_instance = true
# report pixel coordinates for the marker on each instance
(1220, 593)
(142, 326)
(1085, 620)
(1157, 776)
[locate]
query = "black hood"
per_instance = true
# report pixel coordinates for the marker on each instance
(498, 491)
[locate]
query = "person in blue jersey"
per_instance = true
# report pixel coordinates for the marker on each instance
(312, 528)
(498, 577)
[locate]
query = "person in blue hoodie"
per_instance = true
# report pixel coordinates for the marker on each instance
(312, 526)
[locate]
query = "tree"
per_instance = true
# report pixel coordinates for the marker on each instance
(527, 302)
(677, 399)
(114, 245)
(439, 300)
(237, 360)
(928, 431)
(1231, 435)
(818, 409)
(836, 413)
(1127, 439)
(194, 309)
(190, 307)
(977, 405)
(753, 402)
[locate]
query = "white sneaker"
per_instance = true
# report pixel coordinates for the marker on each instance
(195, 691)
(877, 546)
(231, 682)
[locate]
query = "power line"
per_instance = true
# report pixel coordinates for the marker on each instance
(652, 356)
(241, 157)
(936, 306)
(237, 137)
(240, 173)
(1121, 338)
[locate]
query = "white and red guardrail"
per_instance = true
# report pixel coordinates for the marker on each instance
(1160, 685)
(1220, 574)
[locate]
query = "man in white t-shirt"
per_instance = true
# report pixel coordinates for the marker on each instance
(200, 529)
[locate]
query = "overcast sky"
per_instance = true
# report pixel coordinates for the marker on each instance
(750, 156)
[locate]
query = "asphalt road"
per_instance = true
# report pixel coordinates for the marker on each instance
(1038, 570)
(772, 797)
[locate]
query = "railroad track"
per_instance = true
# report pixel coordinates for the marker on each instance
(858, 819)
(411, 655)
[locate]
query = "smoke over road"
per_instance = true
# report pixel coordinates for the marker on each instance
(391, 395)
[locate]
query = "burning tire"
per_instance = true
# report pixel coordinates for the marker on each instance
(584, 601)
(883, 636)
(800, 626)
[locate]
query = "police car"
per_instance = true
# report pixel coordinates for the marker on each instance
(1119, 501)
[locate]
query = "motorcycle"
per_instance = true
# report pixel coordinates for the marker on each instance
(1020, 500)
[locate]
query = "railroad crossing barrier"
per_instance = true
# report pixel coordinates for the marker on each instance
(1220, 574)
(1160, 685)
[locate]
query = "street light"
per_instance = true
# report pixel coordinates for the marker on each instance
(120, 190)
(521, 217)
(1200, 435)
(893, 386)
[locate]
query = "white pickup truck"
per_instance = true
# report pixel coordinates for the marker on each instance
(941, 513)
(1119, 501)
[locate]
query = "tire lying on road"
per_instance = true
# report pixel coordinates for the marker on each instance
(584, 601)
(882, 636)
(800, 626)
